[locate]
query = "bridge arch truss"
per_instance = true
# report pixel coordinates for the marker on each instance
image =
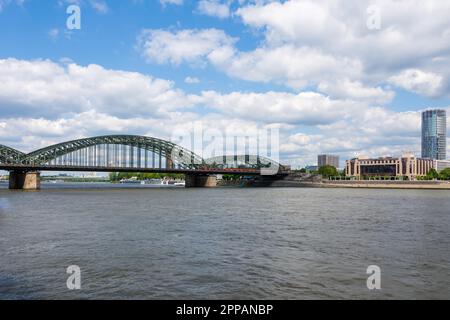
(9, 155)
(116, 151)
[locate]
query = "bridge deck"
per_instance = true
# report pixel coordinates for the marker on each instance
(13, 167)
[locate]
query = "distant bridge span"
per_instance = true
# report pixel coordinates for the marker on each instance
(125, 153)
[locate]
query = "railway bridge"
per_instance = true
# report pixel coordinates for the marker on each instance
(127, 153)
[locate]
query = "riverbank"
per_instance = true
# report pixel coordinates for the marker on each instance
(315, 181)
(412, 185)
(434, 185)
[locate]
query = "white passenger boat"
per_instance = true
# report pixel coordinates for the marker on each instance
(131, 180)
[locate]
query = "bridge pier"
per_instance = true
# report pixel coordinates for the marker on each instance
(200, 181)
(169, 163)
(19, 180)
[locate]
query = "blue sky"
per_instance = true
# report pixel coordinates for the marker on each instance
(109, 38)
(313, 69)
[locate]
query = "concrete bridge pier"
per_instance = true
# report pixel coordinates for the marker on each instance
(169, 163)
(201, 181)
(20, 180)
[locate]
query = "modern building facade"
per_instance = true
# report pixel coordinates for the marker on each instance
(327, 160)
(434, 134)
(440, 165)
(407, 166)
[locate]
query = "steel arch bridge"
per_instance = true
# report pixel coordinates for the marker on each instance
(126, 153)
(108, 151)
(115, 151)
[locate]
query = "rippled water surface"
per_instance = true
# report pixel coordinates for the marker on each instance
(224, 243)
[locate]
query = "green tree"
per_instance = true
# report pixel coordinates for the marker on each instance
(432, 174)
(115, 177)
(445, 174)
(231, 177)
(328, 171)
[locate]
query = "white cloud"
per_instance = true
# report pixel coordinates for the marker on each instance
(175, 2)
(4, 3)
(295, 67)
(306, 108)
(316, 44)
(190, 45)
(424, 83)
(50, 102)
(214, 8)
(373, 132)
(40, 132)
(100, 6)
(412, 33)
(50, 89)
(292, 20)
(347, 89)
(53, 33)
(191, 80)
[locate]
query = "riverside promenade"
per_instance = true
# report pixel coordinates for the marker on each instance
(303, 180)
(434, 185)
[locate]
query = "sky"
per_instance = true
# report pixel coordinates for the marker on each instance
(341, 77)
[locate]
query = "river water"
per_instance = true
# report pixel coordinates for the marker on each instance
(140, 242)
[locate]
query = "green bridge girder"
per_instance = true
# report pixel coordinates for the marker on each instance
(169, 150)
(183, 157)
(236, 161)
(9, 155)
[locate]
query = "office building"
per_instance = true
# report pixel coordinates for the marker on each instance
(440, 165)
(407, 166)
(327, 160)
(434, 134)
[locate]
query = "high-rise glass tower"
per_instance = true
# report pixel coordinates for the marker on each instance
(434, 134)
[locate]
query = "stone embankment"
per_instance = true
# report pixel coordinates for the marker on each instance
(435, 185)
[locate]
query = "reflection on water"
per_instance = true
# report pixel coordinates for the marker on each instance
(158, 243)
